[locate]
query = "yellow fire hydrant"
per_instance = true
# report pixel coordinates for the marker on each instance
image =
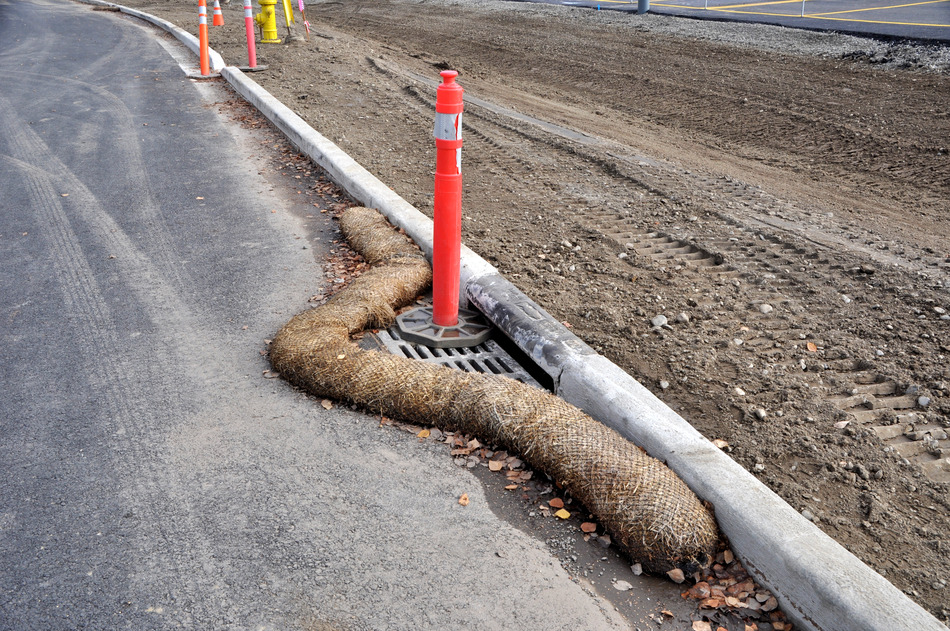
(267, 20)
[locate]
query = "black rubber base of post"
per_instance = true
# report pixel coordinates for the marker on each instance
(417, 326)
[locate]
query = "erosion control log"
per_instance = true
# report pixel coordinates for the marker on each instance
(646, 508)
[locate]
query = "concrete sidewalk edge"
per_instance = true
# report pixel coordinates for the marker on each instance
(820, 585)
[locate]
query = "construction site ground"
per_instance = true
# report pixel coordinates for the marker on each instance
(752, 221)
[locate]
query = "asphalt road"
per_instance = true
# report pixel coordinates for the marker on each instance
(925, 20)
(152, 478)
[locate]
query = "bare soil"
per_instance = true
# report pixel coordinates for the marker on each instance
(782, 198)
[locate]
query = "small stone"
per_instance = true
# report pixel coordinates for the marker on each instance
(912, 390)
(939, 310)
(879, 353)
(623, 586)
(664, 385)
(759, 467)
(676, 575)
(659, 320)
(766, 308)
(622, 255)
(737, 341)
(807, 515)
(740, 391)
(760, 414)
(770, 604)
(923, 402)
(682, 318)
(846, 299)
(637, 569)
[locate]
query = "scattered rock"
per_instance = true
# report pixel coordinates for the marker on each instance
(622, 586)
(760, 414)
(637, 569)
(664, 385)
(682, 318)
(923, 402)
(766, 308)
(659, 321)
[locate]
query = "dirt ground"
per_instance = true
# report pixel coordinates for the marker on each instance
(780, 197)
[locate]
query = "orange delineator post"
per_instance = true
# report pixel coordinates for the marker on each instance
(217, 18)
(447, 241)
(203, 38)
(249, 27)
(444, 325)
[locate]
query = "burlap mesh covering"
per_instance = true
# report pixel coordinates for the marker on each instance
(647, 509)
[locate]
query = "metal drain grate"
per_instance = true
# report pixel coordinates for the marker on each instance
(488, 357)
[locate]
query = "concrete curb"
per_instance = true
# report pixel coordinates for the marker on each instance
(821, 586)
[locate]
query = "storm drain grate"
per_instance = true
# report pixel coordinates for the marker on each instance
(488, 358)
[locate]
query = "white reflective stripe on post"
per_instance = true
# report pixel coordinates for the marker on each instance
(248, 12)
(202, 15)
(458, 152)
(448, 126)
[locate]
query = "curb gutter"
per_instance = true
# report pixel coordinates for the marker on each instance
(820, 585)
